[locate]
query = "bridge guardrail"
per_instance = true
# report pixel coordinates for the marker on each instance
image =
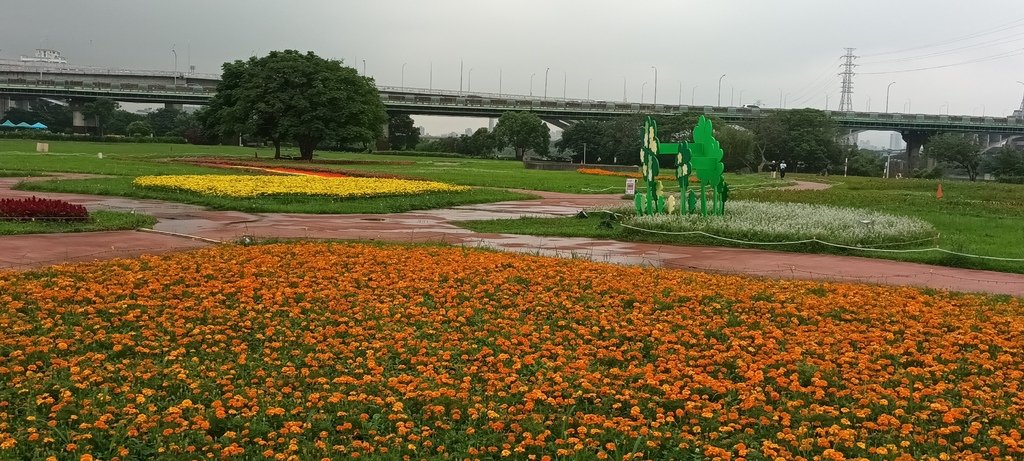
(16, 66)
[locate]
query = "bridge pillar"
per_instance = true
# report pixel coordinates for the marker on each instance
(5, 105)
(79, 122)
(173, 106)
(915, 140)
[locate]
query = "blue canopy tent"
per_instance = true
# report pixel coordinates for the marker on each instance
(8, 124)
(38, 126)
(23, 125)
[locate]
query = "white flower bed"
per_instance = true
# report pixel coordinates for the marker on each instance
(779, 221)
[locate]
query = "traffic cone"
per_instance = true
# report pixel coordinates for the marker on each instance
(938, 193)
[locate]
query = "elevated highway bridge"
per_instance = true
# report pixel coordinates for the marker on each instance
(78, 85)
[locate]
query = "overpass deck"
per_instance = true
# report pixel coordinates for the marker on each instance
(416, 101)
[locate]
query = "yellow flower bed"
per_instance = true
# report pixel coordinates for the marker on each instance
(252, 186)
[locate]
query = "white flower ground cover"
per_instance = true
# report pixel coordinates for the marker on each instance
(777, 222)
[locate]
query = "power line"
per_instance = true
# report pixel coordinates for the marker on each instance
(998, 41)
(999, 28)
(824, 73)
(1004, 55)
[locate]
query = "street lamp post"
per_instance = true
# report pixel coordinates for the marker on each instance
(655, 84)
(565, 79)
(431, 75)
(869, 104)
(499, 81)
(623, 89)
(741, 98)
(642, 87)
(469, 81)
(887, 96)
(946, 105)
(403, 74)
(906, 106)
(461, 66)
(588, 87)
(531, 83)
(680, 101)
(693, 92)
(175, 52)
(720, 90)
(546, 82)
(364, 67)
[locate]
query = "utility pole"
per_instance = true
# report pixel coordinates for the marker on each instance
(461, 63)
(720, 90)
(655, 84)
(623, 89)
(546, 82)
(846, 99)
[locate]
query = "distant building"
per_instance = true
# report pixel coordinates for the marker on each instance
(423, 131)
(47, 56)
(469, 132)
(896, 141)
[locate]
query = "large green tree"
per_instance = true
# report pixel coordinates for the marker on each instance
(523, 131)
(585, 136)
(740, 151)
(805, 136)
(297, 96)
(101, 110)
(864, 163)
(402, 132)
(480, 144)
(1006, 161)
(956, 149)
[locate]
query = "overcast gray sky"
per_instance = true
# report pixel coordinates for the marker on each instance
(763, 47)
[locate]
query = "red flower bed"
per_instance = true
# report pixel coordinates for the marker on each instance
(34, 209)
(322, 174)
(314, 170)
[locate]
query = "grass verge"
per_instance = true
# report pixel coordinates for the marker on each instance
(98, 221)
(123, 186)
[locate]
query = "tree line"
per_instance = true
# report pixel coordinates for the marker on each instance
(110, 119)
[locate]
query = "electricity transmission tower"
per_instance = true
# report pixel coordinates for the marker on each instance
(846, 100)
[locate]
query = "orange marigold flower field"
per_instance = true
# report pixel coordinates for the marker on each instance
(336, 351)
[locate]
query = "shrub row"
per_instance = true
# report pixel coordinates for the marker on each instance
(46, 136)
(41, 209)
(1011, 179)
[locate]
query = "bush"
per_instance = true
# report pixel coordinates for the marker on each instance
(41, 209)
(1011, 179)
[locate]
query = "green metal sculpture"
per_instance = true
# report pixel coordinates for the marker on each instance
(706, 158)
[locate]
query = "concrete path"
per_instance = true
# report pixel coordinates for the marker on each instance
(31, 251)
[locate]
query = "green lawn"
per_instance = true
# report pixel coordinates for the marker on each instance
(975, 218)
(98, 221)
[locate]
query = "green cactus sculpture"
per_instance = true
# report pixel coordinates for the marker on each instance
(706, 159)
(683, 169)
(649, 168)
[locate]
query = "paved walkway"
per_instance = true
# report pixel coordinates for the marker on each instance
(30, 251)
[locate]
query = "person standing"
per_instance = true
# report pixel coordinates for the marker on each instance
(772, 167)
(782, 170)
